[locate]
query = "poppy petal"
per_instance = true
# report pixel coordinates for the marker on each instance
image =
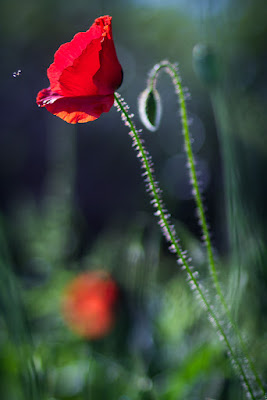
(84, 75)
(46, 96)
(109, 76)
(77, 78)
(76, 63)
(75, 109)
(68, 53)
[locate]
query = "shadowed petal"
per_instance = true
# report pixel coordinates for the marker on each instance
(77, 109)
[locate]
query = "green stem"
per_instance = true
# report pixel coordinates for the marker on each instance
(170, 235)
(172, 71)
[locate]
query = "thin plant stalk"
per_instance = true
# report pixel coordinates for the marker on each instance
(171, 69)
(171, 237)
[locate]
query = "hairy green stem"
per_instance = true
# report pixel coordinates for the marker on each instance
(171, 237)
(171, 69)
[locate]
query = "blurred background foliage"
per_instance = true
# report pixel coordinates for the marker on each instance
(72, 200)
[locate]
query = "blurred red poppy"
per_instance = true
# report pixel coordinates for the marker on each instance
(88, 304)
(84, 75)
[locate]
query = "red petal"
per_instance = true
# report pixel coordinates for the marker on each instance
(78, 70)
(68, 53)
(76, 79)
(109, 77)
(75, 109)
(46, 96)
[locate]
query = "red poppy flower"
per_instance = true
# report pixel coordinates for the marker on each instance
(84, 75)
(88, 304)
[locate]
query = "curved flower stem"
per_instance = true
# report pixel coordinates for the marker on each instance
(171, 237)
(171, 69)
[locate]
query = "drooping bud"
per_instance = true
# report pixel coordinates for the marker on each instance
(149, 107)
